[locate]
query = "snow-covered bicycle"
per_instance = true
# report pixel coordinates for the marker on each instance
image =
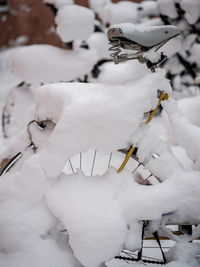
(91, 127)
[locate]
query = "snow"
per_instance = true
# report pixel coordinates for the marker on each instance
(24, 223)
(192, 10)
(74, 22)
(7, 78)
(64, 204)
(116, 196)
(167, 7)
(130, 70)
(123, 11)
(184, 132)
(46, 63)
(190, 108)
(13, 110)
(98, 5)
(99, 237)
(98, 41)
(148, 36)
(148, 8)
(120, 12)
(184, 253)
(194, 52)
(80, 111)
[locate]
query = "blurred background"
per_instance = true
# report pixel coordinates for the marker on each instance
(29, 22)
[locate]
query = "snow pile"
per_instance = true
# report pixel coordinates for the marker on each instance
(192, 10)
(46, 63)
(167, 7)
(184, 254)
(130, 70)
(195, 49)
(79, 111)
(148, 9)
(183, 66)
(72, 219)
(7, 78)
(123, 11)
(100, 236)
(74, 22)
(25, 223)
(120, 12)
(184, 132)
(96, 235)
(190, 108)
(98, 41)
(13, 110)
(99, 5)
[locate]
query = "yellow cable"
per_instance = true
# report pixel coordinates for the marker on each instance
(163, 96)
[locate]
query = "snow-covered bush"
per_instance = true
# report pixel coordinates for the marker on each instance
(184, 67)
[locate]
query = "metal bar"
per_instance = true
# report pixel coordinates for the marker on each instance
(110, 158)
(71, 166)
(94, 158)
(136, 167)
(80, 160)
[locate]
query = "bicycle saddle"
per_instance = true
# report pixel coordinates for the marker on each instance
(133, 37)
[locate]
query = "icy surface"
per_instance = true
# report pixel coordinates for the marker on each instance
(74, 22)
(46, 63)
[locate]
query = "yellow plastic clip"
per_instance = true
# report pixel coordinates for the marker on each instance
(163, 96)
(128, 155)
